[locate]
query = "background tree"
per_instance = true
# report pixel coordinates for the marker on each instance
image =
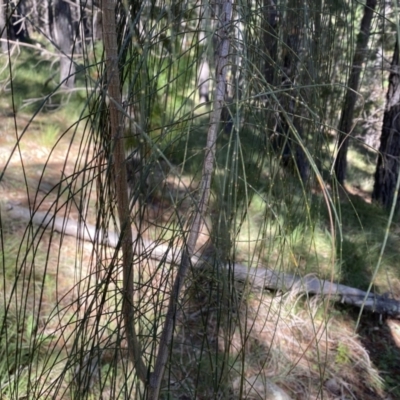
(60, 21)
(3, 27)
(162, 238)
(387, 169)
(346, 119)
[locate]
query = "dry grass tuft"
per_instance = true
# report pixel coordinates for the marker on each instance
(272, 349)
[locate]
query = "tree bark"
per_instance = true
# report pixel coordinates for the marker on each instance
(270, 39)
(61, 27)
(3, 27)
(121, 183)
(346, 120)
(387, 169)
(285, 120)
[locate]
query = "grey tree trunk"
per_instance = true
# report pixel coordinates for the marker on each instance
(61, 27)
(387, 169)
(204, 67)
(346, 120)
(258, 278)
(3, 28)
(204, 81)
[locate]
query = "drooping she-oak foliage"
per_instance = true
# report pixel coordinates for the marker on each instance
(168, 197)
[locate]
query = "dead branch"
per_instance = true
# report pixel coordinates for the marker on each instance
(257, 277)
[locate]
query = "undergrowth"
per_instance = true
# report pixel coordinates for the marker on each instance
(61, 327)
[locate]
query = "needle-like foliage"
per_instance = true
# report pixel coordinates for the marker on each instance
(162, 164)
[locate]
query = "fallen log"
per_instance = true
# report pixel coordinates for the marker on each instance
(258, 277)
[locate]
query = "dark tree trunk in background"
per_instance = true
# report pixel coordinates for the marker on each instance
(283, 120)
(89, 19)
(387, 168)
(270, 44)
(17, 29)
(3, 28)
(270, 40)
(61, 27)
(346, 119)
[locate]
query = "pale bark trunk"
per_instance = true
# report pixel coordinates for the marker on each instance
(62, 32)
(3, 27)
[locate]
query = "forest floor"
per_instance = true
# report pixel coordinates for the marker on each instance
(363, 365)
(378, 335)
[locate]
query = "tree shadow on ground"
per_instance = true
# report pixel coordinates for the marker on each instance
(363, 228)
(380, 336)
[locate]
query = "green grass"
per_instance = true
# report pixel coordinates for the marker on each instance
(29, 81)
(361, 168)
(48, 136)
(272, 219)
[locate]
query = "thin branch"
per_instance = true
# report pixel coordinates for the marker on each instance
(121, 185)
(37, 46)
(225, 15)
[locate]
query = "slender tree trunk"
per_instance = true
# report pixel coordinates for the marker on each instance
(204, 81)
(224, 15)
(287, 123)
(270, 40)
(62, 33)
(121, 183)
(3, 27)
(204, 68)
(388, 165)
(346, 120)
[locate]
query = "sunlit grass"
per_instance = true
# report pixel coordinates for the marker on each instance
(361, 169)
(275, 223)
